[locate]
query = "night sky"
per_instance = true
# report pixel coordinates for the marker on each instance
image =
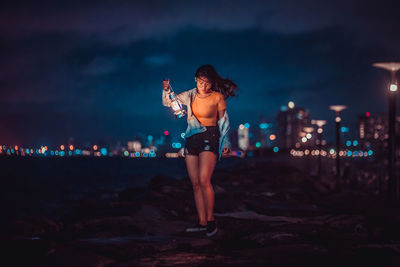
(92, 70)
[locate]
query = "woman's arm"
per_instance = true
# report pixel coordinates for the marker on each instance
(221, 113)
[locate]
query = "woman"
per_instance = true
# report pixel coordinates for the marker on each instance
(206, 137)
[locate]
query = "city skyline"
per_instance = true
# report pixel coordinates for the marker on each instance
(175, 133)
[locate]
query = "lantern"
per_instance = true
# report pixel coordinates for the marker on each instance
(176, 106)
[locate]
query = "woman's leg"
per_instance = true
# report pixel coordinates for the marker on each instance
(192, 165)
(207, 161)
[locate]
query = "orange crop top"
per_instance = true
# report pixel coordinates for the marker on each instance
(205, 109)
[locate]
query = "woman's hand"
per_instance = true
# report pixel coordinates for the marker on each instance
(165, 84)
(226, 152)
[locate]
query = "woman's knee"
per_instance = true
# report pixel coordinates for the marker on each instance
(196, 186)
(204, 183)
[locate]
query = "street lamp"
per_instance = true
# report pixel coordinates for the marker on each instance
(308, 130)
(319, 124)
(392, 67)
(338, 119)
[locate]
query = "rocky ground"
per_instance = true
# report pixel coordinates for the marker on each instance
(268, 214)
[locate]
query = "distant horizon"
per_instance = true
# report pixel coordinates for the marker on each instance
(175, 133)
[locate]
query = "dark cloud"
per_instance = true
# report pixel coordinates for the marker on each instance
(97, 66)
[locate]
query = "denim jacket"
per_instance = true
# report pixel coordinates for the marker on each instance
(194, 126)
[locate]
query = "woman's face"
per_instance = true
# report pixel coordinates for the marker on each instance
(203, 84)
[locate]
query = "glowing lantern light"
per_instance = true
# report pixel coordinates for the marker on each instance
(176, 106)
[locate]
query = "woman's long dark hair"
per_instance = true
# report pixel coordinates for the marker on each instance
(225, 86)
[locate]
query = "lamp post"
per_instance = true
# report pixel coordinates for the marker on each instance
(338, 119)
(392, 67)
(308, 130)
(319, 124)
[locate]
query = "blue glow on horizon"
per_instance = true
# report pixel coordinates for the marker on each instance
(103, 151)
(265, 125)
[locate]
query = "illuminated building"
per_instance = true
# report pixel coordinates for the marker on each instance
(134, 146)
(290, 123)
(243, 136)
(265, 135)
(374, 129)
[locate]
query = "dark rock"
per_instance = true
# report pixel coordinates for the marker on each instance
(32, 226)
(132, 194)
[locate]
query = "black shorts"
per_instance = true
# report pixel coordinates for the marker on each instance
(205, 141)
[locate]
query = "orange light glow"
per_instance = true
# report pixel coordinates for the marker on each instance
(62, 147)
(16, 147)
(94, 147)
(272, 137)
(71, 147)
